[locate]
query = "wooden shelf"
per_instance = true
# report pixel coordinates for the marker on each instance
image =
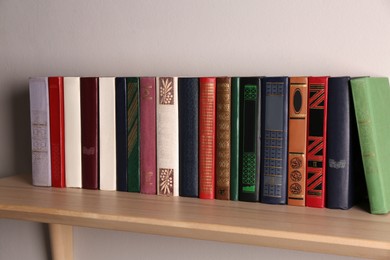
(353, 232)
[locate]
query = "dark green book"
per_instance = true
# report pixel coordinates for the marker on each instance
(133, 155)
(371, 98)
(235, 139)
(249, 178)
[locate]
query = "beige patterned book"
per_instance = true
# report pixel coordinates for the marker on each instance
(167, 129)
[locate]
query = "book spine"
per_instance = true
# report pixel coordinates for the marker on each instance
(148, 174)
(57, 138)
(223, 135)
(340, 170)
(188, 92)
(316, 141)
(133, 135)
(167, 130)
(89, 98)
(235, 138)
(72, 111)
(362, 92)
(249, 130)
(107, 133)
(297, 138)
(274, 143)
(40, 131)
(121, 133)
(207, 110)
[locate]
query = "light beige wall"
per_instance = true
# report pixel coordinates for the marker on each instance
(172, 37)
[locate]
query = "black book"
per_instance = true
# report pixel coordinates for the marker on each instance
(188, 96)
(344, 167)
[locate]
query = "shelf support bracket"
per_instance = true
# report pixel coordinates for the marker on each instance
(61, 241)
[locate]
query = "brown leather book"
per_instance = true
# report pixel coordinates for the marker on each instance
(297, 137)
(223, 133)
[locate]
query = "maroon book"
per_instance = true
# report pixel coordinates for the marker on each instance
(57, 138)
(89, 97)
(148, 140)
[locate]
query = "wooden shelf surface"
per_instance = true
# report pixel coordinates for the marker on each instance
(353, 232)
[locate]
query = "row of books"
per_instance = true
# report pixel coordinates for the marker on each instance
(277, 140)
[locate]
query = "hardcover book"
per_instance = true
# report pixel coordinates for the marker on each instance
(107, 133)
(121, 133)
(250, 136)
(167, 131)
(371, 97)
(274, 140)
(89, 98)
(148, 175)
(297, 141)
(223, 130)
(235, 139)
(57, 137)
(344, 169)
(72, 111)
(40, 131)
(133, 134)
(207, 108)
(316, 141)
(188, 95)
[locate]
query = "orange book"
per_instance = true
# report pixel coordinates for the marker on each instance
(297, 143)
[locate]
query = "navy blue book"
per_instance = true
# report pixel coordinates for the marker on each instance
(250, 123)
(273, 177)
(121, 133)
(344, 168)
(188, 96)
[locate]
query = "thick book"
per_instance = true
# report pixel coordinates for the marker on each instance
(250, 137)
(133, 135)
(316, 141)
(40, 131)
(188, 95)
(121, 133)
(148, 175)
(207, 109)
(223, 135)
(167, 133)
(57, 137)
(72, 111)
(89, 98)
(235, 138)
(344, 169)
(297, 142)
(274, 102)
(107, 133)
(371, 98)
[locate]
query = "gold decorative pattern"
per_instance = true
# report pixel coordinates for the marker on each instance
(166, 91)
(166, 181)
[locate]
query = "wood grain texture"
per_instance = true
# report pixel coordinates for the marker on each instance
(353, 232)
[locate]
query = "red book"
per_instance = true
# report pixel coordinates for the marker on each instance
(148, 140)
(207, 108)
(316, 141)
(89, 99)
(57, 140)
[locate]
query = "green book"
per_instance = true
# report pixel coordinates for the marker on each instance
(133, 159)
(371, 97)
(235, 139)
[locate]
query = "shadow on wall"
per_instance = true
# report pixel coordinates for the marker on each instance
(20, 132)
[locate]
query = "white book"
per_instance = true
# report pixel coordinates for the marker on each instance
(107, 133)
(167, 128)
(72, 112)
(40, 131)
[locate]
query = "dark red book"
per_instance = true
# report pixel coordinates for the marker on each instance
(57, 140)
(207, 108)
(316, 141)
(89, 99)
(148, 141)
